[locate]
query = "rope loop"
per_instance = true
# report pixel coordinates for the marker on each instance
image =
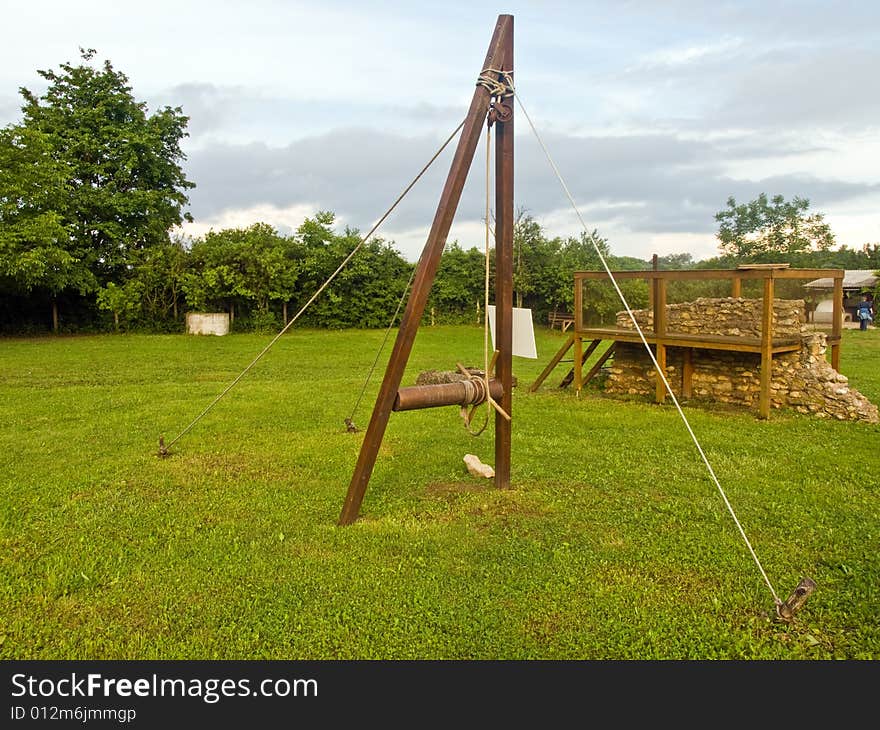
(476, 393)
(499, 87)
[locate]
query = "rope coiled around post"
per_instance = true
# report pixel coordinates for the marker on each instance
(499, 87)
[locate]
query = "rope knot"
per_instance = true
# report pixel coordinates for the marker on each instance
(499, 85)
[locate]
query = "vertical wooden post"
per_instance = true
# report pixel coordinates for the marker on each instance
(660, 332)
(578, 364)
(836, 322)
(427, 269)
(578, 342)
(766, 346)
(687, 373)
(736, 287)
(504, 271)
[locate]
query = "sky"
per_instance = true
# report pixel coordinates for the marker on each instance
(654, 112)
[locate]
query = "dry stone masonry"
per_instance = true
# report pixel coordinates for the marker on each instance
(802, 380)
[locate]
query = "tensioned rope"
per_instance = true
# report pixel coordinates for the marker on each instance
(163, 450)
(490, 402)
(485, 381)
(657, 367)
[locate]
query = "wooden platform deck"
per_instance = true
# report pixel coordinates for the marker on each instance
(660, 337)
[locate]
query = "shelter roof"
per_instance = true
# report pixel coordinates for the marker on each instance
(852, 279)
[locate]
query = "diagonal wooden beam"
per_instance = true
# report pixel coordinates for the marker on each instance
(496, 58)
(557, 358)
(600, 362)
(591, 348)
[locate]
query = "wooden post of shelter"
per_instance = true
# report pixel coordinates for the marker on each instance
(736, 284)
(766, 346)
(687, 373)
(836, 322)
(498, 58)
(659, 289)
(578, 340)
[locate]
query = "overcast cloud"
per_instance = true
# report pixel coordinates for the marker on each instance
(655, 113)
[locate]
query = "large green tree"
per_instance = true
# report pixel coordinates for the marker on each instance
(458, 291)
(36, 250)
(115, 183)
(771, 230)
(365, 293)
(253, 266)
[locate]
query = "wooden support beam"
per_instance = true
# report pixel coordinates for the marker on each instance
(659, 308)
(736, 286)
(496, 58)
(766, 348)
(659, 386)
(578, 364)
(557, 358)
(566, 381)
(687, 373)
(709, 274)
(504, 267)
(660, 331)
(597, 366)
(836, 322)
(710, 342)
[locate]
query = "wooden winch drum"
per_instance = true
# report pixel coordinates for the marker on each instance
(461, 393)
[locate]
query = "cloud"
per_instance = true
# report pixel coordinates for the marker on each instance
(285, 219)
(655, 113)
(10, 110)
(643, 184)
(682, 55)
(804, 88)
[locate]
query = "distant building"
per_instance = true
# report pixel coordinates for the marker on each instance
(855, 283)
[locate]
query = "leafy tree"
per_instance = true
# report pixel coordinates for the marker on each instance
(365, 293)
(675, 261)
(211, 279)
(458, 291)
(123, 301)
(123, 187)
(773, 230)
(36, 251)
(254, 266)
(529, 247)
(568, 256)
(160, 272)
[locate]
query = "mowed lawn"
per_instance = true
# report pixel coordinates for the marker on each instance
(612, 544)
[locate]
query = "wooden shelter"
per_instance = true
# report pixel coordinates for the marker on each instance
(855, 283)
(660, 337)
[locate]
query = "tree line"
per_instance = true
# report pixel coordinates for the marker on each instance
(91, 185)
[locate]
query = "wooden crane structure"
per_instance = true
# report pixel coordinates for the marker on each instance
(491, 104)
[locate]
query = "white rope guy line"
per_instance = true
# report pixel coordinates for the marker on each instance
(164, 449)
(657, 367)
(349, 422)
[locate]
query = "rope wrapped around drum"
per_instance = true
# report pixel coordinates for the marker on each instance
(470, 392)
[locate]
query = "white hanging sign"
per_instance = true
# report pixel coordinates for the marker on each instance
(523, 332)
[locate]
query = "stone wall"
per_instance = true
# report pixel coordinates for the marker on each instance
(732, 316)
(803, 380)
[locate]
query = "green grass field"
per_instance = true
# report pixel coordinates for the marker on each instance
(612, 544)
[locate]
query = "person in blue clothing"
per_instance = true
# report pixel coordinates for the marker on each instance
(866, 312)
